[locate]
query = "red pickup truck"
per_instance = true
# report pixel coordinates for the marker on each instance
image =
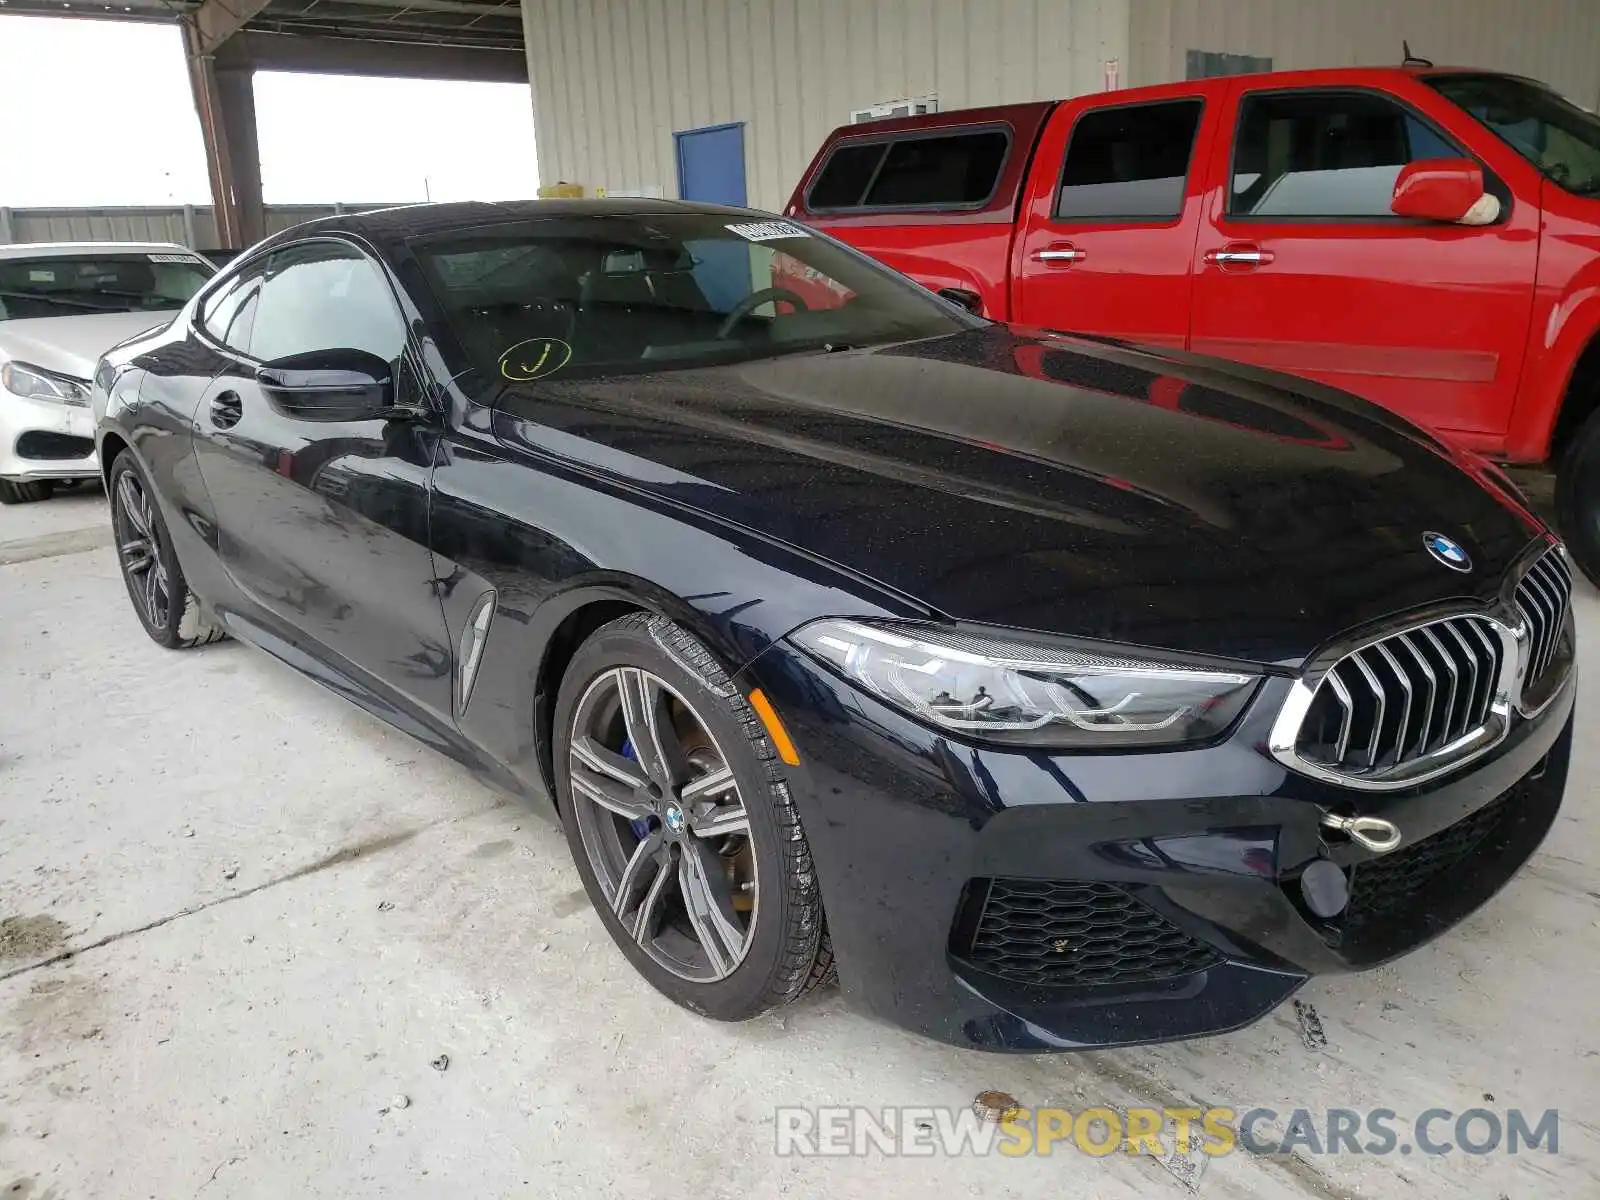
(1426, 238)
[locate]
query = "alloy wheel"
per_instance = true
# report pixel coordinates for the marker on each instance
(663, 824)
(139, 547)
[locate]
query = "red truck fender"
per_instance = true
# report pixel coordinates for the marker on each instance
(1561, 378)
(935, 274)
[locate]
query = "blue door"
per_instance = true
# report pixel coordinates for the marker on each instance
(711, 169)
(711, 164)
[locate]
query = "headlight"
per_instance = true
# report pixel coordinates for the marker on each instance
(1003, 690)
(35, 383)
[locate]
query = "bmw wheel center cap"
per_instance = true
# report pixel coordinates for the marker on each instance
(674, 818)
(1447, 551)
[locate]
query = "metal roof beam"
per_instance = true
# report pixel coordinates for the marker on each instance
(215, 21)
(121, 10)
(375, 55)
(443, 6)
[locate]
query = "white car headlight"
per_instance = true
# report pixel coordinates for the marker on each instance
(35, 383)
(1005, 690)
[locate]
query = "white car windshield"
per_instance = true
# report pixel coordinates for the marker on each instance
(72, 285)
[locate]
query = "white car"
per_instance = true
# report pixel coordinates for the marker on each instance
(63, 305)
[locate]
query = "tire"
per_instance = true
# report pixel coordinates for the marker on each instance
(149, 565)
(26, 492)
(629, 847)
(1578, 498)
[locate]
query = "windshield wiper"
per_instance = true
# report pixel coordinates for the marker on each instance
(121, 294)
(64, 301)
(873, 341)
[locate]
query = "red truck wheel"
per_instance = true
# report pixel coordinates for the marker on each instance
(1578, 498)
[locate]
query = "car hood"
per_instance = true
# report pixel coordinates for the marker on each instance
(72, 345)
(1044, 482)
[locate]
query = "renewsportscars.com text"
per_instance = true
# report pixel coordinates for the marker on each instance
(847, 1131)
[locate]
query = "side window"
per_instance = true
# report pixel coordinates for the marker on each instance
(945, 170)
(1325, 154)
(844, 176)
(324, 297)
(238, 332)
(226, 316)
(959, 169)
(1129, 162)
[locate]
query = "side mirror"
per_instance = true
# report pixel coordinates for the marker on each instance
(968, 300)
(329, 385)
(1443, 189)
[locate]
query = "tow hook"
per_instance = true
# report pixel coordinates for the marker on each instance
(1372, 833)
(1324, 883)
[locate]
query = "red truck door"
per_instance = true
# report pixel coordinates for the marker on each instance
(1109, 217)
(1301, 265)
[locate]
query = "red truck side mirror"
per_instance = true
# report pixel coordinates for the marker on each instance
(1440, 189)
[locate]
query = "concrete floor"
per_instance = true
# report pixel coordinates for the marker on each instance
(282, 911)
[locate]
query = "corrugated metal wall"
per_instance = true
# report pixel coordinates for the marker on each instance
(613, 79)
(192, 226)
(107, 225)
(1557, 41)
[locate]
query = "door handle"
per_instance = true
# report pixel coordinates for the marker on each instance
(1062, 253)
(1238, 255)
(226, 410)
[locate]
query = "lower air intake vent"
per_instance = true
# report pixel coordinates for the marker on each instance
(1383, 887)
(1067, 934)
(53, 446)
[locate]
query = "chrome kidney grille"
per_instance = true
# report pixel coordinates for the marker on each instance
(1407, 705)
(1411, 705)
(1543, 597)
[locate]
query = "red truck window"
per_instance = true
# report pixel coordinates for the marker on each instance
(1128, 162)
(844, 177)
(1325, 154)
(939, 169)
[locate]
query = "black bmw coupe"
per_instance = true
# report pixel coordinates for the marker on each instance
(1053, 692)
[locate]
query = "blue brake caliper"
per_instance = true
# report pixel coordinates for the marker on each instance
(641, 826)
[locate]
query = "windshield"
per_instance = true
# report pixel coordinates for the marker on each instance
(68, 285)
(585, 296)
(1551, 132)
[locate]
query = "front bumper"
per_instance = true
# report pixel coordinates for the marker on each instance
(1010, 900)
(43, 440)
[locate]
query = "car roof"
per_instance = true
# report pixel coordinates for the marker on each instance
(1028, 113)
(410, 221)
(1311, 76)
(71, 249)
(1027, 116)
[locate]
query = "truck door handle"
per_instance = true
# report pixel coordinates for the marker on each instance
(1239, 255)
(226, 410)
(1064, 253)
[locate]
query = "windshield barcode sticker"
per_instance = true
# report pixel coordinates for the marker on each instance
(174, 258)
(768, 231)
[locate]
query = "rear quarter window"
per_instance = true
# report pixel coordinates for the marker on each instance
(917, 170)
(1129, 162)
